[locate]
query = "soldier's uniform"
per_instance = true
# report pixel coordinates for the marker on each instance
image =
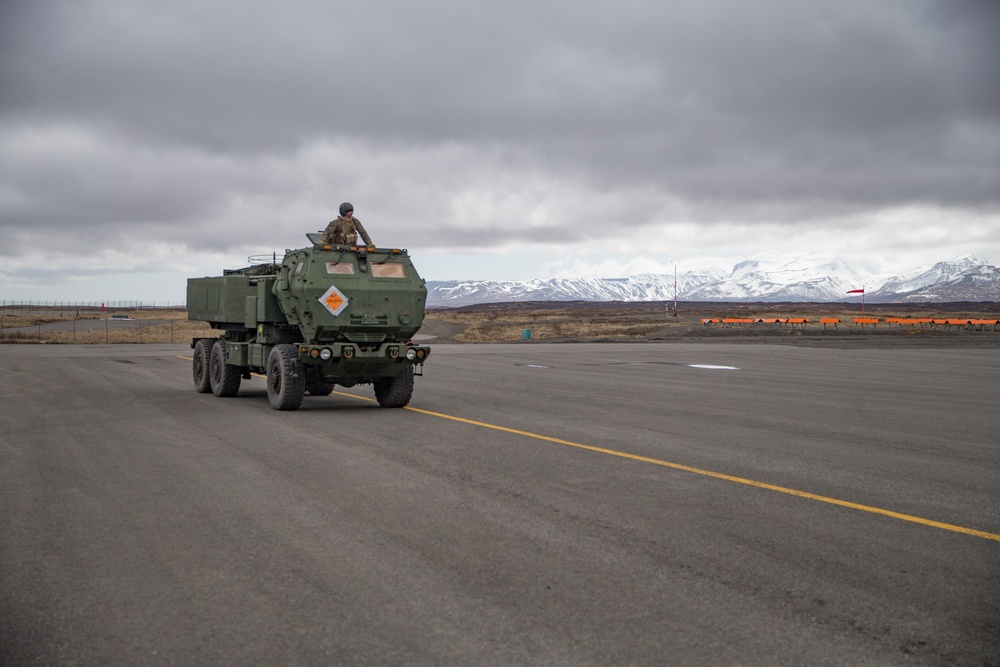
(344, 231)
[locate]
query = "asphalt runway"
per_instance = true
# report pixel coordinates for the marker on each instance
(578, 504)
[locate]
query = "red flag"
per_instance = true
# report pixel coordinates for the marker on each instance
(852, 291)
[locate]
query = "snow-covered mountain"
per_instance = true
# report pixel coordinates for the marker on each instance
(797, 280)
(961, 279)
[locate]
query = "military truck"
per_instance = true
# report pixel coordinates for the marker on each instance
(325, 315)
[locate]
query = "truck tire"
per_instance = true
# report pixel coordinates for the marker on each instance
(225, 379)
(395, 392)
(200, 365)
(285, 384)
(320, 388)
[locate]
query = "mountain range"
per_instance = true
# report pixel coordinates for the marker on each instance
(804, 280)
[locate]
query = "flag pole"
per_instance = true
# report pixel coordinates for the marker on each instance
(855, 291)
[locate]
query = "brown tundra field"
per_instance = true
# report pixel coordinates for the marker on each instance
(966, 324)
(561, 321)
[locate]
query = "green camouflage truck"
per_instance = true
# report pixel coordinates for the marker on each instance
(324, 316)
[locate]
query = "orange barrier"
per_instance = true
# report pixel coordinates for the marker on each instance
(972, 324)
(962, 321)
(966, 322)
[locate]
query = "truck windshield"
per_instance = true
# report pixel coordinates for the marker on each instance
(337, 268)
(388, 271)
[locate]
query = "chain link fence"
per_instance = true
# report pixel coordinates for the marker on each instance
(100, 322)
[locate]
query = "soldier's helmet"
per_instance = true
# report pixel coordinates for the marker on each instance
(345, 207)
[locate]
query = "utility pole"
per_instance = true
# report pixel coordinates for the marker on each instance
(675, 289)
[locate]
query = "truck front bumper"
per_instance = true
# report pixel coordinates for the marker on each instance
(349, 353)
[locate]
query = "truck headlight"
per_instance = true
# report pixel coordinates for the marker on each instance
(411, 354)
(325, 354)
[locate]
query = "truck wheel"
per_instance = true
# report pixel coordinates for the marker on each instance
(225, 379)
(395, 392)
(200, 366)
(320, 389)
(285, 384)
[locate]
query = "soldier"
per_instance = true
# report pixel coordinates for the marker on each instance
(345, 229)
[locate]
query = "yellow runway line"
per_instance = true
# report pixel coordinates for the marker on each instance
(697, 471)
(717, 475)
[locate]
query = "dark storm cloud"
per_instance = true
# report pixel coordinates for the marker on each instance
(164, 115)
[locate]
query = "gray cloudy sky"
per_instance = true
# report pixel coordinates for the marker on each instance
(145, 142)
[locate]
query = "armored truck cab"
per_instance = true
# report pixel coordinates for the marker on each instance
(324, 315)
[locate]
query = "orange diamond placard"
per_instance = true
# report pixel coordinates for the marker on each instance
(334, 301)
